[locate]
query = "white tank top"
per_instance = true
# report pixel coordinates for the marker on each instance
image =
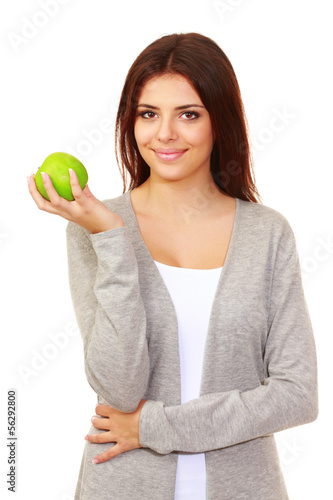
(192, 292)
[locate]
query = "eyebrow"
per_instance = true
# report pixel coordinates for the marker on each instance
(177, 108)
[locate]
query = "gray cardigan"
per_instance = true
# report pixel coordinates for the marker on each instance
(260, 366)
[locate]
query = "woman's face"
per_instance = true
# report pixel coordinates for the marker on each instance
(173, 129)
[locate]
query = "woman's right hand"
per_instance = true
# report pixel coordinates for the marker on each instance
(85, 210)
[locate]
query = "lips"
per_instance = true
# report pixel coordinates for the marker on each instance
(169, 154)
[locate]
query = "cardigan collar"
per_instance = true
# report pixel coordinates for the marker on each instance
(150, 269)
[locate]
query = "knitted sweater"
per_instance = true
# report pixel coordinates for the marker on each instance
(259, 372)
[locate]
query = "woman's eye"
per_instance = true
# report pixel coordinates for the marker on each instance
(190, 115)
(149, 113)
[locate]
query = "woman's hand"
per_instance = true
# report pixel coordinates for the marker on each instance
(122, 428)
(85, 210)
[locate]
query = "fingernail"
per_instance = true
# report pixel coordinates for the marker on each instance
(70, 172)
(95, 461)
(28, 179)
(43, 175)
(86, 437)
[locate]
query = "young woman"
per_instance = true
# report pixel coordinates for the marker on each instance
(188, 295)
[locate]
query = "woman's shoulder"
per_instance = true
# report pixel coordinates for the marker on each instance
(261, 213)
(264, 222)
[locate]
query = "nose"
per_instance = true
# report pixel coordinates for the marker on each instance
(166, 130)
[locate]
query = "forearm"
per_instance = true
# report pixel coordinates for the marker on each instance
(224, 419)
(111, 315)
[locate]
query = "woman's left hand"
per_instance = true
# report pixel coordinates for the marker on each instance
(122, 428)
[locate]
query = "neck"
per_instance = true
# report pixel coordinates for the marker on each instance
(180, 204)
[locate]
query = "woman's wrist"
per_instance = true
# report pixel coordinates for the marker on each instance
(110, 221)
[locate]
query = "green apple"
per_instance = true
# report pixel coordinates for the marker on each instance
(57, 165)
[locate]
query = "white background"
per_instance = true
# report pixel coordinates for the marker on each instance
(62, 74)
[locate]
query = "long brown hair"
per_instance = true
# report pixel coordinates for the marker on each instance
(204, 64)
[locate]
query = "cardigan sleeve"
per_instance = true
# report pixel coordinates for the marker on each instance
(104, 285)
(287, 397)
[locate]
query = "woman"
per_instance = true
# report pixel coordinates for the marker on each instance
(188, 295)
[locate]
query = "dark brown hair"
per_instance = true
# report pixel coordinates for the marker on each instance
(203, 63)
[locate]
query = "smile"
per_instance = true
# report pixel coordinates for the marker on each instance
(169, 155)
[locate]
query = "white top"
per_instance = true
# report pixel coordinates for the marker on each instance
(192, 292)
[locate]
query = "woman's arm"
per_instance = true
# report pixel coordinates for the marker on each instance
(104, 284)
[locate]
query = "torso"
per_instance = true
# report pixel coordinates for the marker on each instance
(200, 245)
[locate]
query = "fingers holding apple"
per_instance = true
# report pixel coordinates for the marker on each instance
(58, 166)
(60, 187)
(61, 177)
(40, 201)
(47, 198)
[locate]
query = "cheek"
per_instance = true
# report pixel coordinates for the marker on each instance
(142, 134)
(201, 137)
